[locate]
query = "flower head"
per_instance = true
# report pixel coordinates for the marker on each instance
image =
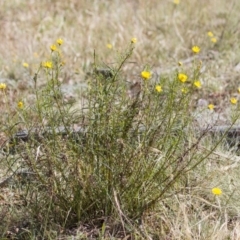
(176, 2)
(47, 64)
(213, 39)
(233, 100)
(180, 63)
(146, 75)
(216, 191)
(3, 86)
(134, 40)
(109, 46)
(158, 88)
(182, 77)
(197, 84)
(59, 41)
(20, 105)
(211, 107)
(53, 47)
(25, 65)
(210, 34)
(196, 49)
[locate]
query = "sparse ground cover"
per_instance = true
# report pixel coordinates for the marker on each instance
(119, 99)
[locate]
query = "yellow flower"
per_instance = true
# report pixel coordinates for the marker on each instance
(59, 41)
(176, 2)
(182, 77)
(213, 39)
(158, 88)
(47, 64)
(3, 86)
(184, 90)
(197, 84)
(133, 40)
(53, 47)
(25, 65)
(233, 100)
(216, 191)
(196, 49)
(109, 46)
(146, 75)
(20, 105)
(210, 34)
(211, 106)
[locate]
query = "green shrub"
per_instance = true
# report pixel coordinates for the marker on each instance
(127, 154)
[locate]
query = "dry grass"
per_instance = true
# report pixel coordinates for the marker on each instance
(165, 34)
